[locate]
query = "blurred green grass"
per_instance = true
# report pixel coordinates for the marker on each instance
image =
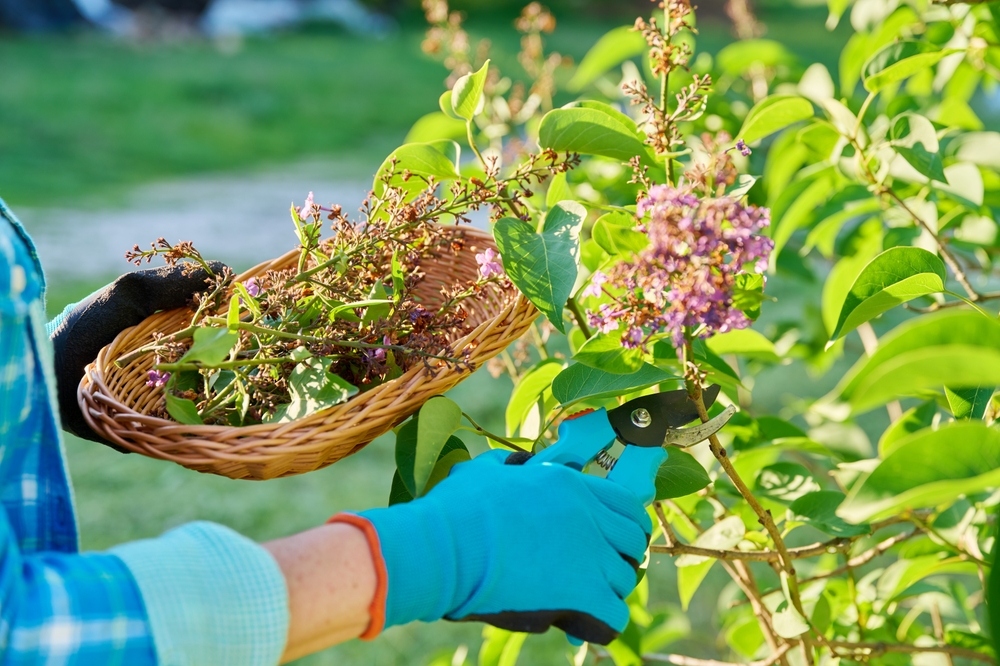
(83, 120)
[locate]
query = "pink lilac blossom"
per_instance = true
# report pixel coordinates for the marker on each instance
(307, 209)
(157, 378)
(685, 278)
(743, 148)
(488, 264)
(252, 287)
(594, 288)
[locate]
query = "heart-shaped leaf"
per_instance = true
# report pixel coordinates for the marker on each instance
(543, 265)
(896, 276)
(773, 114)
(580, 382)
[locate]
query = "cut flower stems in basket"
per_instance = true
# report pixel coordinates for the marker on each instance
(278, 347)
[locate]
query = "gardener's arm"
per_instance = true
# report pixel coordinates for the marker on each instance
(331, 582)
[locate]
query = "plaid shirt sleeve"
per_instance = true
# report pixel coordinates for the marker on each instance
(56, 606)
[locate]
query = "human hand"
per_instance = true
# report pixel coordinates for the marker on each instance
(84, 328)
(521, 547)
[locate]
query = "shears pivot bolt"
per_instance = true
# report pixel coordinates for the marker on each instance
(641, 418)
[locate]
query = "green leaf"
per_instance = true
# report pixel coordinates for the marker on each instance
(436, 126)
(689, 580)
(581, 382)
(748, 294)
(380, 307)
(740, 56)
(744, 183)
(444, 464)
(500, 647)
(615, 233)
(912, 420)
(948, 348)
(819, 509)
(398, 492)
(960, 458)
(692, 569)
(444, 102)
(529, 388)
(898, 61)
(965, 185)
(746, 342)
(406, 452)
(183, 410)
(724, 535)
(915, 139)
(774, 114)
(589, 131)
(211, 346)
(559, 190)
(902, 574)
(605, 352)
(467, 94)
(233, 317)
(313, 388)
(786, 482)
(398, 284)
(679, 475)
(439, 418)
(789, 623)
(797, 204)
(612, 49)
(969, 403)
(437, 159)
(543, 265)
(896, 276)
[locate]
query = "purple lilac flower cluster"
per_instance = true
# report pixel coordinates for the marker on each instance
(686, 277)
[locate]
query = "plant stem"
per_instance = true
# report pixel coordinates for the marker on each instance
(224, 365)
(483, 432)
(875, 649)
(182, 334)
(763, 516)
(472, 142)
(579, 317)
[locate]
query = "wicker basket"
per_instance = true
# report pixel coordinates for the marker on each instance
(117, 404)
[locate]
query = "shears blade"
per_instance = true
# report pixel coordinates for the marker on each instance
(685, 437)
(655, 420)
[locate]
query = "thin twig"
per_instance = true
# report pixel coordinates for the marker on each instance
(581, 319)
(875, 649)
(483, 432)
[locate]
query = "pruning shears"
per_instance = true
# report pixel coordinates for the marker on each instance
(645, 425)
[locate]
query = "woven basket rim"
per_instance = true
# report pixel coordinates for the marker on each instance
(503, 317)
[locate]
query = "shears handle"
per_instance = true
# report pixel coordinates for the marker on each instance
(636, 470)
(583, 437)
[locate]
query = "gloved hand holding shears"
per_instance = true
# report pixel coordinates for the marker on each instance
(529, 542)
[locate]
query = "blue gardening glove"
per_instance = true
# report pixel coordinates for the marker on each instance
(521, 547)
(82, 329)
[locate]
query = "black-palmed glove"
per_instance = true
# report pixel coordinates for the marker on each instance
(80, 332)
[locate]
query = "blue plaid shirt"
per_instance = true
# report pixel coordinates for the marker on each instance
(200, 594)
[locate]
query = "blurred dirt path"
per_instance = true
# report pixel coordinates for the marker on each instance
(240, 219)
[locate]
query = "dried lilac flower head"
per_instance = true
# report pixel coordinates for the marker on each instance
(686, 277)
(488, 264)
(157, 378)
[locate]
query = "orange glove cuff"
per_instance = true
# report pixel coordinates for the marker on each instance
(377, 609)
